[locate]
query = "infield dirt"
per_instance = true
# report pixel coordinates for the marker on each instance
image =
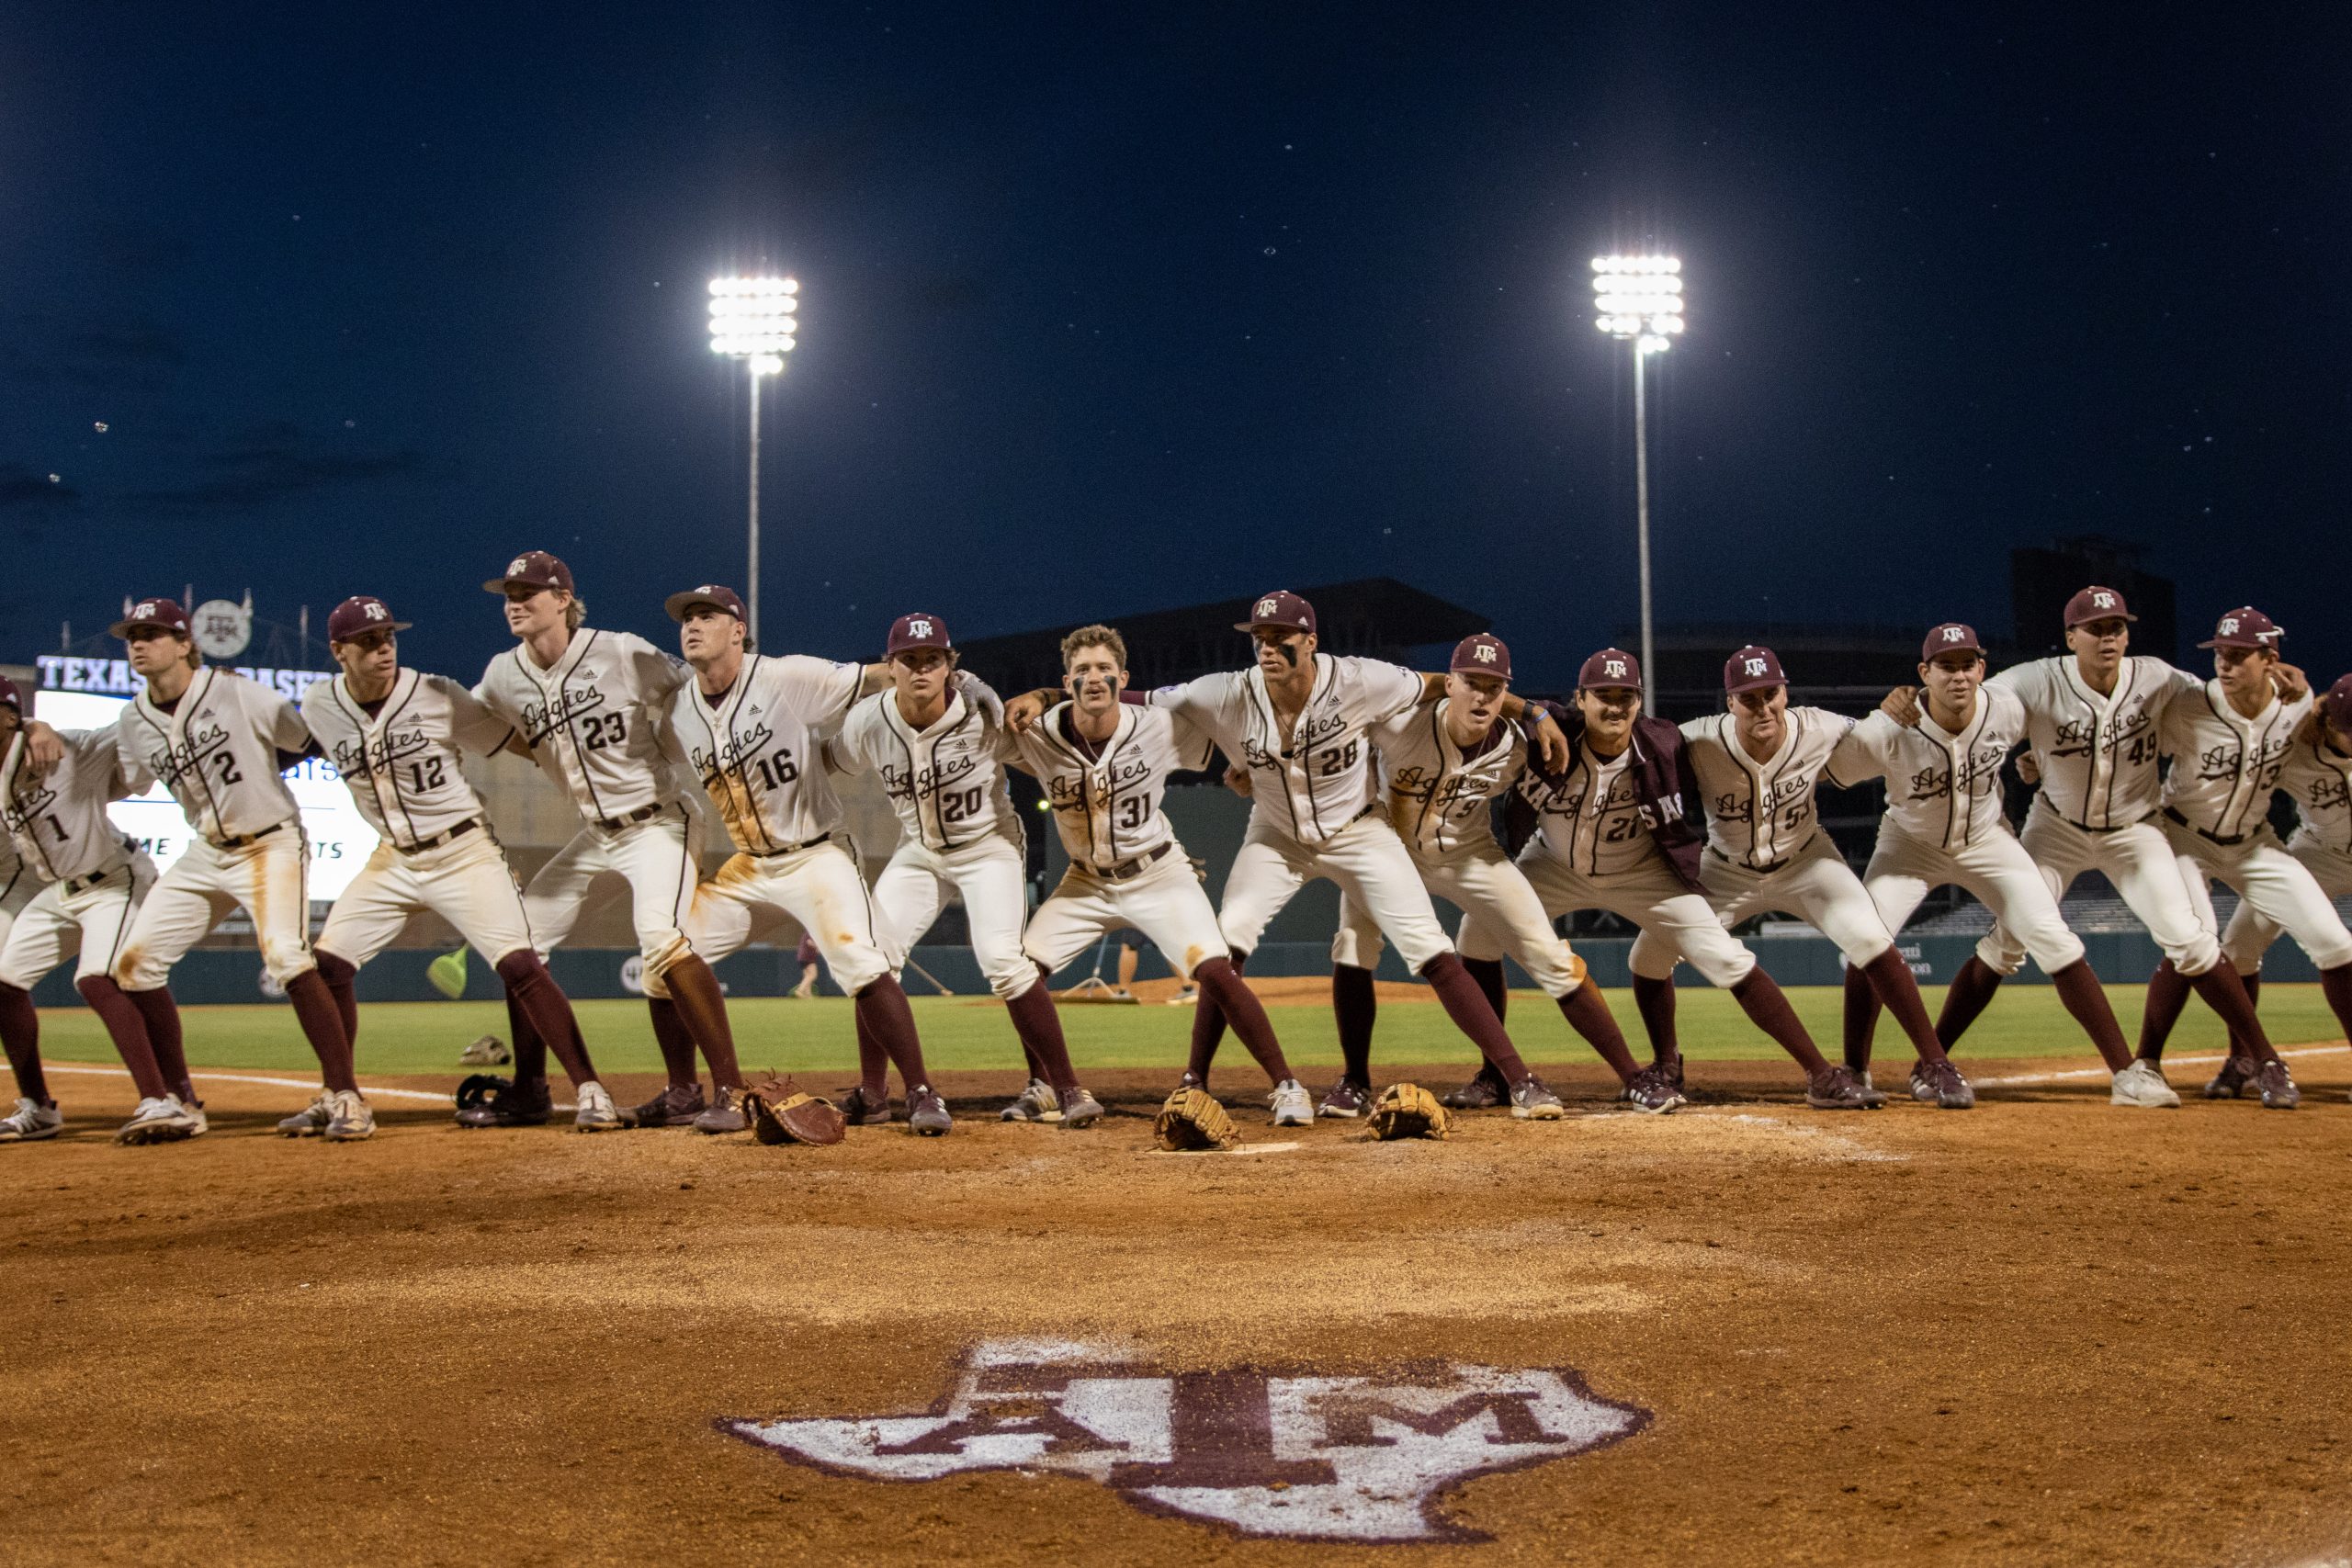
(2044, 1330)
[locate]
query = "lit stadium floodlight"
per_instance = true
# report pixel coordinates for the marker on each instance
(754, 320)
(1641, 301)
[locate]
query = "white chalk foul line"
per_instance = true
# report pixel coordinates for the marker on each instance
(2023, 1079)
(272, 1083)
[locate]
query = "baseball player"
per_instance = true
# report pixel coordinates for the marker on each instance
(753, 726)
(1441, 765)
(1299, 721)
(219, 742)
(940, 749)
(1757, 764)
(2229, 746)
(1105, 766)
(398, 738)
(592, 708)
(86, 880)
(1943, 824)
(1616, 830)
(2092, 717)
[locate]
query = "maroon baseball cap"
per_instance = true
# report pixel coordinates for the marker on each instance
(16, 699)
(360, 614)
(917, 630)
(709, 595)
(1610, 667)
(1949, 638)
(2245, 626)
(2097, 603)
(1751, 670)
(164, 613)
(1481, 653)
(2336, 705)
(532, 568)
(1279, 608)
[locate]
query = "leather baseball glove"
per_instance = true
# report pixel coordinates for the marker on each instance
(1194, 1120)
(1408, 1110)
(780, 1114)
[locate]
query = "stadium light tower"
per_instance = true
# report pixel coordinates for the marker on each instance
(754, 319)
(1640, 301)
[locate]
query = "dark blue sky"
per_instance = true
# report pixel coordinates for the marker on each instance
(1107, 312)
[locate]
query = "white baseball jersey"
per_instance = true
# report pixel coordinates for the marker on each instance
(217, 753)
(58, 825)
(597, 722)
(1762, 814)
(1588, 818)
(2319, 777)
(1314, 781)
(946, 781)
(2224, 765)
(1943, 788)
(1437, 792)
(1106, 795)
(2096, 754)
(754, 747)
(402, 763)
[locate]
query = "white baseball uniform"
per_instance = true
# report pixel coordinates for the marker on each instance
(1439, 801)
(1126, 866)
(403, 764)
(81, 879)
(1312, 810)
(2097, 807)
(218, 751)
(961, 837)
(755, 746)
(2216, 805)
(597, 723)
(1943, 821)
(2319, 777)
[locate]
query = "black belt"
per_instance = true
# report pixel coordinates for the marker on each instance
(73, 885)
(1126, 869)
(615, 824)
(790, 849)
(1743, 866)
(242, 840)
(434, 843)
(2234, 839)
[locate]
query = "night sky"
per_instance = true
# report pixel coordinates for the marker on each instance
(1106, 314)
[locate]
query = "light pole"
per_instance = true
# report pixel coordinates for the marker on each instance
(754, 319)
(1640, 300)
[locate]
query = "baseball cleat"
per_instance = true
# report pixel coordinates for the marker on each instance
(2237, 1074)
(2142, 1084)
(30, 1123)
(1483, 1092)
(725, 1115)
(1836, 1089)
(2279, 1091)
(1346, 1102)
(1651, 1092)
(676, 1106)
(1531, 1102)
(1873, 1096)
(504, 1105)
(1039, 1102)
(594, 1111)
(311, 1120)
(165, 1120)
(1942, 1085)
(927, 1113)
(350, 1119)
(1292, 1105)
(1080, 1109)
(859, 1111)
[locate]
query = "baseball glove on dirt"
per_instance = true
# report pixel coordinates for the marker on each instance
(1408, 1110)
(1194, 1120)
(781, 1114)
(482, 1089)
(489, 1051)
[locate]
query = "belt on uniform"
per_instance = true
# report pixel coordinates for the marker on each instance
(242, 840)
(2216, 837)
(1743, 866)
(73, 885)
(628, 819)
(434, 843)
(1127, 868)
(2114, 827)
(790, 849)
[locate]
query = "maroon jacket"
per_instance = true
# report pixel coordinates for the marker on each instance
(1664, 787)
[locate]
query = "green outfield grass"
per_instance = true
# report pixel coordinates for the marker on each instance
(966, 1034)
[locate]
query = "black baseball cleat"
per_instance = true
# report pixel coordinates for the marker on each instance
(2237, 1074)
(1837, 1088)
(1484, 1092)
(484, 1100)
(859, 1111)
(676, 1106)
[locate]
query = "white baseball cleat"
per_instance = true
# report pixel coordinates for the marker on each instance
(2142, 1084)
(313, 1119)
(1293, 1107)
(595, 1112)
(30, 1123)
(350, 1118)
(163, 1120)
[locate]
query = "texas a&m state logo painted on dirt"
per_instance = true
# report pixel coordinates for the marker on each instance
(1265, 1453)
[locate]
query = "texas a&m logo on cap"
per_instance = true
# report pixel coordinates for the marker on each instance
(1482, 653)
(2245, 626)
(917, 630)
(1752, 669)
(1279, 608)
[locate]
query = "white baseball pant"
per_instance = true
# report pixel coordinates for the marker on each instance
(2251, 932)
(1996, 869)
(467, 882)
(1477, 879)
(1816, 885)
(2281, 887)
(93, 923)
(2138, 860)
(1367, 860)
(818, 886)
(268, 878)
(1165, 901)
(661, 859)
(1651, 896)
(19, 891)
(991, 877)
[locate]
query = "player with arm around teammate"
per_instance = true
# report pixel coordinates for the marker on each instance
(398, 738)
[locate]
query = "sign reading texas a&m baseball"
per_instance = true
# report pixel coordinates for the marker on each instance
(1263, 1453)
